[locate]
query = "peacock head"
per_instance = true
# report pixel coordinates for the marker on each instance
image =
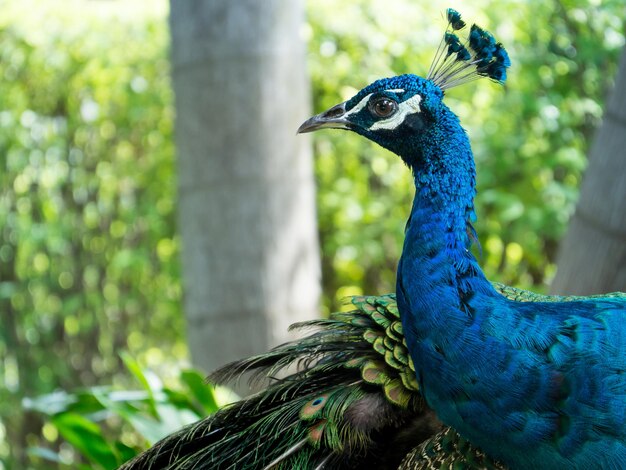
(406, 114)
(399, 113)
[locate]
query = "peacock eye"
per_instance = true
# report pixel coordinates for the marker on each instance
(383, 107)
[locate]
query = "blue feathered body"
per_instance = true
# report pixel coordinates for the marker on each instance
(535, 384)
(539, 385)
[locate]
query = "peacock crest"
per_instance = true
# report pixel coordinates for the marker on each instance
(460, 61)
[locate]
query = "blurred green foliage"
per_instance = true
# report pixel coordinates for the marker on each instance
(88, 249)
(88, 244)
(102, 424)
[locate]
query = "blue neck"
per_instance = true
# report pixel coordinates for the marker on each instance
(437, 247)
(437, 274)
(439, 232)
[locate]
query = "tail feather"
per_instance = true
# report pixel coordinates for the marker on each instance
(341, 404)
(348, 399)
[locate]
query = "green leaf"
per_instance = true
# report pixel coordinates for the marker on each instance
(50, 403)
(87, 438)
(200, 389)
(142, 377)
(149, 428)
(161, 420)
(134, 369)
(125, 452)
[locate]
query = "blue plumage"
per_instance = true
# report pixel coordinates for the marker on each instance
(535, 384)
(454, 19)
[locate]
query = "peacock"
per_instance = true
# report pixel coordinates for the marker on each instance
(452, 371)
(538, 384)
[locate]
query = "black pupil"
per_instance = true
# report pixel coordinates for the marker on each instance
(384, 107)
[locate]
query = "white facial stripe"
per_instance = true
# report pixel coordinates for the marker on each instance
(361, 104)
(410, 106)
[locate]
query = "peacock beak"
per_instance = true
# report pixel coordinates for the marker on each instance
(334, 118)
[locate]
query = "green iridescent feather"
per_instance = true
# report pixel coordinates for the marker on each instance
(352, 400)
(347, 396)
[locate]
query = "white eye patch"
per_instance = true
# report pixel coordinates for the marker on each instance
(361, 104)
(410, 106)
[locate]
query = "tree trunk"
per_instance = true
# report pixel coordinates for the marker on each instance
(592, 258)
(246, 193)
